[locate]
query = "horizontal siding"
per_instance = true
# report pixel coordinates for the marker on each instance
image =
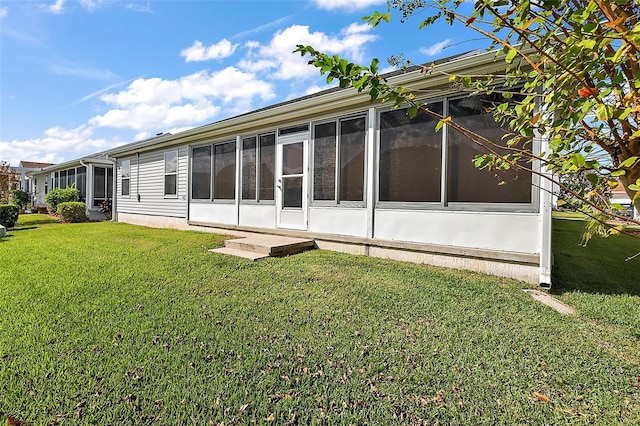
(147, 179)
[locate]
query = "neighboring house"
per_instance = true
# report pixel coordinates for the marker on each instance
(25, 169)
(620, 196)
(356, 177)
(91, 175)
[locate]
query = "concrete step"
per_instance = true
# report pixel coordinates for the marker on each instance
(271, 245)
(240, 253)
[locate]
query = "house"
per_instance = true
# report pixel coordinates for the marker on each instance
(620, 196)
(354, 176)
(25, 168)
(91, 175)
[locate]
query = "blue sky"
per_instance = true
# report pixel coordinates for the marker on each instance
(82, 76)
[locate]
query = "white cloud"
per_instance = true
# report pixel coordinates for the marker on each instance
(356, 28)
(3, 12)
(77, 142)
(139, 7)
(155, 104)
(141, 136)
(198, 52)
(55, 8)
(277, 56)
(436, 48)
(349, 5)
(90, 5)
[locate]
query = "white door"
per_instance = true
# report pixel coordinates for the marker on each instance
(292, 198)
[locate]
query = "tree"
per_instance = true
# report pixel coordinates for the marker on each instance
(573, 65)
(21, 198)
(9, 181)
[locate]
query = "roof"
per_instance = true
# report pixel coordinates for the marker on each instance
(97, 158)
(34, 165)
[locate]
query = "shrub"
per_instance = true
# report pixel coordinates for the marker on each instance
(58, 196)
(21, 198)
(9, 215)
(73, 211)
(105, 208)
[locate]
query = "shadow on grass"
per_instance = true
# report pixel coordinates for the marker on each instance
(44, 221)
(600, 267)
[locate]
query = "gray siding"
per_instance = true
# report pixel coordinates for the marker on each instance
(147, 179)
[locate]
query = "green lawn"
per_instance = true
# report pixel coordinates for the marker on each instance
(108, 323)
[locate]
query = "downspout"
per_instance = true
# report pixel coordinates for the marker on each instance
(546, 191)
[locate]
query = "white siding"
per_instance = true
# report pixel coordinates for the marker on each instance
(147, 180)
(222, 213)
(338, 220)
(258, 216)
(514, 232)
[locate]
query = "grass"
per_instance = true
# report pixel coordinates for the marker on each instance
(598, 279)
(108, 323)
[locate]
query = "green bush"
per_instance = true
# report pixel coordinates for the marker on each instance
(59, 195)
(9, 215)
(21, 198)
(73, 211)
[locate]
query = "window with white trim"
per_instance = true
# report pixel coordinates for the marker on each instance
(410, 157)
(465, 182)
(224, 171)
(171, 173)
(125, 174)
(201, 173)
(419, 165)
(258, 164)
(339, 160)
(213, 172)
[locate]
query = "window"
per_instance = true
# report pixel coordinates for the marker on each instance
(63, 179)
(293, 129)
(338, 160)
(99, 185)
(292, 175)
(249, 167)
(81, 182)
(110, 182)
(171, 173)
(102, 184)
(414, 167)
(125, 173)
(324, 161)
(258, 161)
(224, 171)
(71, 178)
(410, 157)
(465, 182)
(213, 172)
(201, 173)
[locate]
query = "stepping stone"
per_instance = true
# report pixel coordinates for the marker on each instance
(552, 302)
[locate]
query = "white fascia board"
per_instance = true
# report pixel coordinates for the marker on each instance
(74, 163)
